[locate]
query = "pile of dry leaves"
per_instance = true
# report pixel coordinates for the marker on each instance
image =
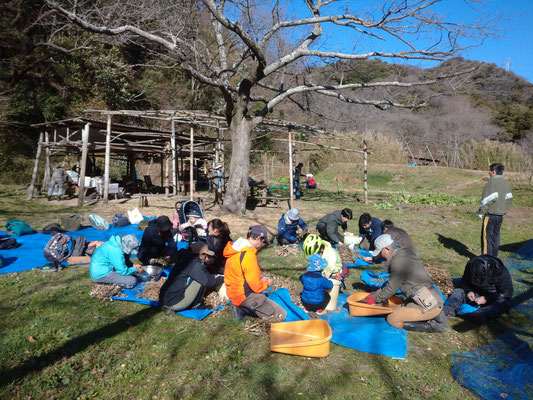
(347, 255)
(294, 287)
(213, 300)
(151, 289)
(105, 292)
(260, 327)
(440, 277)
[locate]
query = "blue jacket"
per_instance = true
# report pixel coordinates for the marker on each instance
(153, 245)
(314, 286)
(288, 231)
(108, 257)
(372, 232)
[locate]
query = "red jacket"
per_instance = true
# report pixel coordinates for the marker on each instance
(242, 275)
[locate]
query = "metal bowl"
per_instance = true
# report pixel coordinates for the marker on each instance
(153, 270)
(143, 276)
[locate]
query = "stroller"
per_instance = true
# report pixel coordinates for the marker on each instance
(183, 209)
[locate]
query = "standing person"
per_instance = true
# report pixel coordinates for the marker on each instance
(218, 183)
(186, 285)
(369, 231)
(328, 226)
(296, 179)
(218, 238)
(242, 276)
(157, 241)
(288, 225)
(494, 205)
(315, 296)
(486, 283)
(110, 262)
(422, 308)
(58, 179)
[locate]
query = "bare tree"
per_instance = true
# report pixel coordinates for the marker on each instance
(258, 51)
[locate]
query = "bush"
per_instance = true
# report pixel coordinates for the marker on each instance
(479, 155)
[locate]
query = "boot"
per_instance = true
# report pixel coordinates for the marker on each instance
(424, 326)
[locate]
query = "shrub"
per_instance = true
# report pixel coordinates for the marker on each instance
(479, 155)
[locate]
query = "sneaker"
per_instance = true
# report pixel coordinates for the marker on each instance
(60, 267)
(321, 312)
(168, 311)
(49, 268)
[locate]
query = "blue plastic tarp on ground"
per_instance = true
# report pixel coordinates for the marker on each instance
(30, 254)
(283, 298)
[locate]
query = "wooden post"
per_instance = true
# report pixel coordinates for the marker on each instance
(167, 167)
(174, 161)
(191, 172)
(291, 190)
(365, 171)
(46, 177)
(107, 159)
(217, 144)
(431, 155)
(84, 145)
(35, 168)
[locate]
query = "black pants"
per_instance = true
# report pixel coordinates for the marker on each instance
(322, 229)
(320, 306)
(490, 234)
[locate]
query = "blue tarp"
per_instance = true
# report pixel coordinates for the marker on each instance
(30, 254)
(503, 368)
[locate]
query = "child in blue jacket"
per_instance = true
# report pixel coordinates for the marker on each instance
(315, 296)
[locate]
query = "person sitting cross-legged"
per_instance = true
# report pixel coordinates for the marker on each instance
(486, 283)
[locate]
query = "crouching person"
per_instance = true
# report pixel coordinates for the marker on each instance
(315, 296)
(110, 262)
(486, 283)
(186, 284)
(244, 285)
(422, 310)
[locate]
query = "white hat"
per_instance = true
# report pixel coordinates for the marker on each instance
(381, 242)
(309, 175)
(218, 166)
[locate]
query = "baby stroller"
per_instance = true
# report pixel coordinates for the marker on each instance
(184, 209)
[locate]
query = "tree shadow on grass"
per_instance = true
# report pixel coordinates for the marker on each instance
(74, 346)
(455, 245)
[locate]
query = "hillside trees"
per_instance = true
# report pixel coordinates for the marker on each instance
(259, 51)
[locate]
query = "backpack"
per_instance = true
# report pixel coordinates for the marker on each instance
(52, 228)
(120, 220)
(8, 243)
(71, 222)
(57, 248)
(98, 222)
(18, 228)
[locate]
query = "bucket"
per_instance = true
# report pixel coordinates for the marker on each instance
(334, 294)
(351, 240)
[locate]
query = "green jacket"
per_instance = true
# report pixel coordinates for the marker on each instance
(406, 274)
(496, 196)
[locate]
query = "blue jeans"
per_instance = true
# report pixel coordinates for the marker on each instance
(486, 312)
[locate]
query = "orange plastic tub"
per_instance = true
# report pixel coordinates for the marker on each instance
(301, 338)
(367, 310)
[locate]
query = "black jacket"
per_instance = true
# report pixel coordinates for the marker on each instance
(173, 290)
(153, 245)
(217, 245)
(333, 221)
(500, 286)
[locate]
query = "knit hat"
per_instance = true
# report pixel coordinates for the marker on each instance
(292, 214)
(316, 263)
(130, 244)
(194, 213)
(381, 242)
(163, 224)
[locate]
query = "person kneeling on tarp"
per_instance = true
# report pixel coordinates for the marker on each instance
(288, 225)
(110, 262)
(185, 286)
(422, 310)
(315, 296)
(242, 276)
(157, 241)
(486, 283)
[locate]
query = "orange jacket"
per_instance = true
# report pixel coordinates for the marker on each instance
(242, 275)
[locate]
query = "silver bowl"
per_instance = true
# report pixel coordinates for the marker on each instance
(153, 270)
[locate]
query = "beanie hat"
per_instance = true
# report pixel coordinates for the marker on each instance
(130, 244)
(316, 263)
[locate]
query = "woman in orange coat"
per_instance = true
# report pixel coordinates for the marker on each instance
(242, 276)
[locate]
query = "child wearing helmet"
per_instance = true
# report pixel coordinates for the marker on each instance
(313, 244)
(315, 294)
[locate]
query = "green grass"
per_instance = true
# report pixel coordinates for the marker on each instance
(83, 348)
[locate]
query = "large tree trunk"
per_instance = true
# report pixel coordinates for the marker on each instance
(237, 189)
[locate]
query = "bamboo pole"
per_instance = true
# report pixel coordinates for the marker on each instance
(174, 161)
(365, 169)
(191, 172)
(46, 177)
(107, 159)
(35, 168)
(167, 167)
(85, 142)
(291, 191)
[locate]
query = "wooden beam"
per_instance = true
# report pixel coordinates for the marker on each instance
(174, 161)
(107, 159)
(46, 177)
(35, 168)
(85, 142)
(291, 181)
(191, 156)
(365, 171)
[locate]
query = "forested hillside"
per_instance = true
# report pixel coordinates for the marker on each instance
(43, 81)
